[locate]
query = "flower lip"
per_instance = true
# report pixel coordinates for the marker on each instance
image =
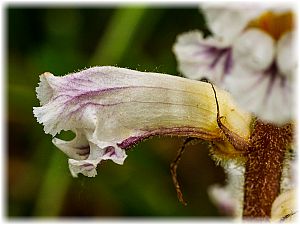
(85, 150)
(286, 59)
(199, 57)
(44, 90)
(256, 58)
(269, 95)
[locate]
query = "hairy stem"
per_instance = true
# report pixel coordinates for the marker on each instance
(264, 163)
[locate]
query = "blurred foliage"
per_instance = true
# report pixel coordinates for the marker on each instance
(62, 40)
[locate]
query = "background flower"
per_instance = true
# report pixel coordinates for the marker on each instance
(251, 53)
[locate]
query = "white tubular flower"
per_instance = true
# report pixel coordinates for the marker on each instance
(265, 93)
(284, 207)
(253, 57)
(258, 57)
(286, 58)
(229, 198)
(226, 21)
(262, 79)
(199, 57)
(212, 57)
(110, 109)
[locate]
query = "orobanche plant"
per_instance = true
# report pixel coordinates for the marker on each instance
(111, 109)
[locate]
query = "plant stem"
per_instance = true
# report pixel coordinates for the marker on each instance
(264, 164)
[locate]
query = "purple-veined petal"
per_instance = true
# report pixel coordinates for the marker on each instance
(198, 57)
(88, 166)
(267, 94)
(254, 49)
(78, 148)
(110, 109)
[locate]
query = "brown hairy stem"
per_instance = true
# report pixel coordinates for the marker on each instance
(264, 154)
(268, 144)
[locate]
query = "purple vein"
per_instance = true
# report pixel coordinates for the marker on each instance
(180, 131)
(119, 103)
(99, 92)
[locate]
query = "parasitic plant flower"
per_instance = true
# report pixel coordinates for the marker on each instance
(110, 109)
(251, 53)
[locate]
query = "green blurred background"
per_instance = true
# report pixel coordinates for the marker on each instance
(62, 40)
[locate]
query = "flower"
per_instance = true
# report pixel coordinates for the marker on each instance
(110, 109)
(251, 53)
(229, 198)
(284, 207)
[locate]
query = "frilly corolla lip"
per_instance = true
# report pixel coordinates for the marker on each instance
(110, 109)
